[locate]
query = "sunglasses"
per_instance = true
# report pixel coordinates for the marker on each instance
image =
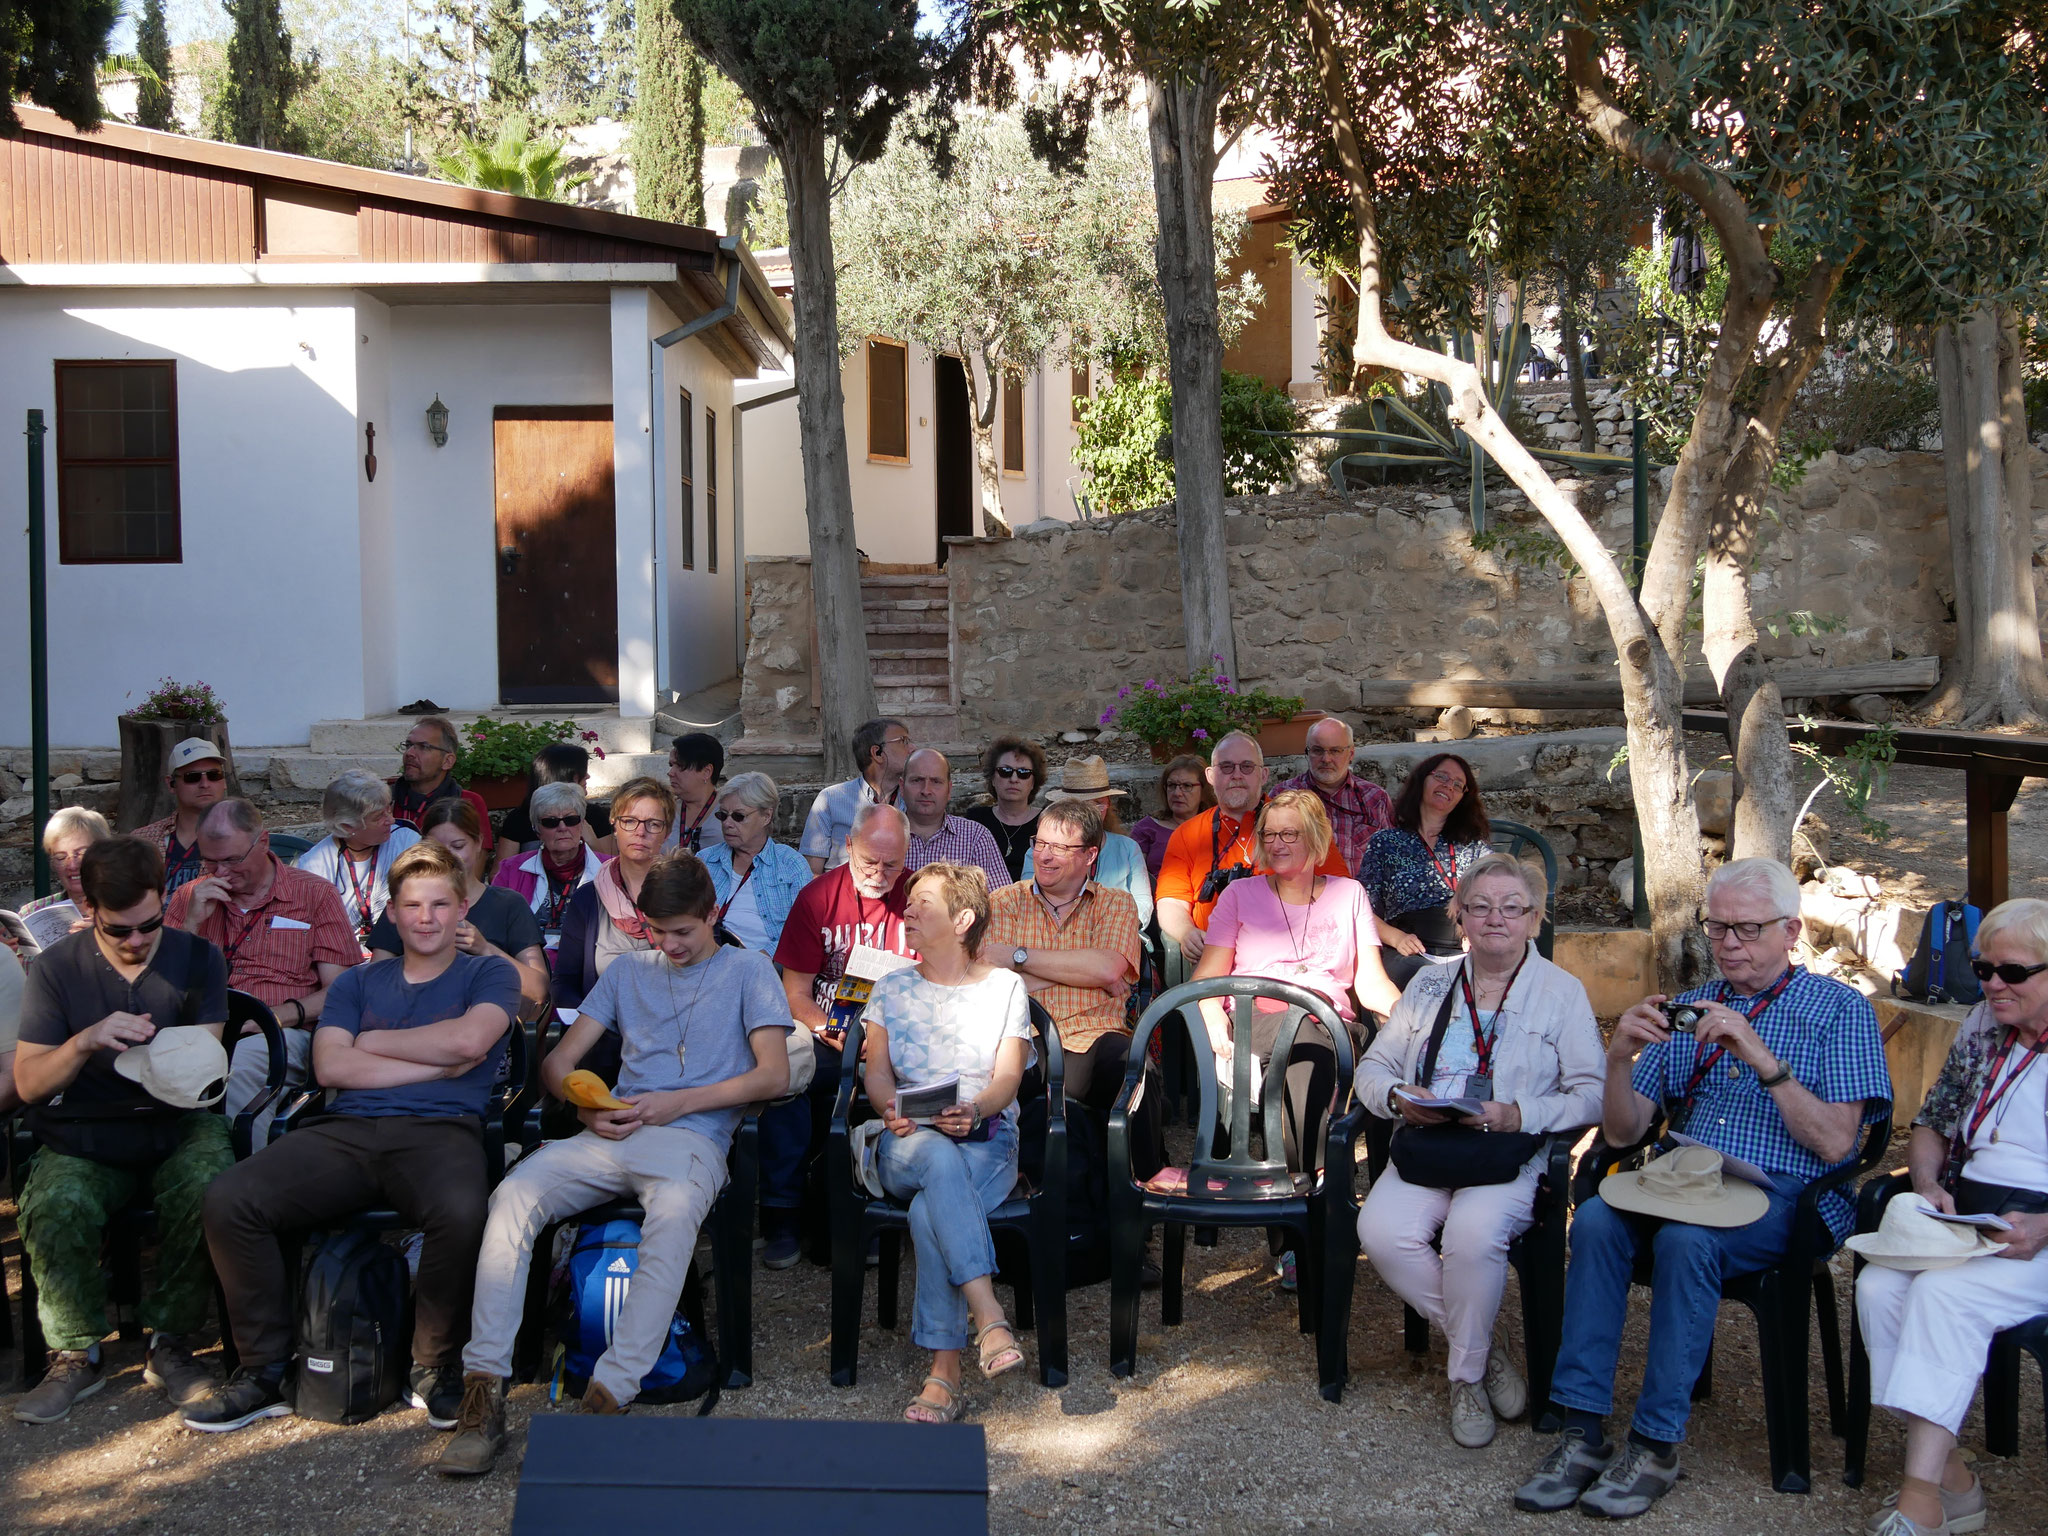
(552, 822)
(202, 776)
(2012, 975)
(1014, 773)
(732, 815)
(128, 930)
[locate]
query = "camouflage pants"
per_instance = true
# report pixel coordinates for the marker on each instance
(65, 1207)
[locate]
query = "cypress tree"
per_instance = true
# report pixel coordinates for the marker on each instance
(668, 121)
(613, 97)
(505, 45)
(153, 98)
(565, 62)
(260, 80)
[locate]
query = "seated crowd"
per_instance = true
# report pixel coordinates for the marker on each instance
(696, 961)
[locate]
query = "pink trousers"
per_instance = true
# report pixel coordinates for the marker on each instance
(1459, 1289)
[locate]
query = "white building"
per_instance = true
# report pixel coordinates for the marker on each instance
(240, 355)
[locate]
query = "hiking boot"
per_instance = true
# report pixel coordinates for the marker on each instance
(1565, 1473)
(248, 1396)
(1633, 1481)
(438, 1389)
(1505, 1388)
(73, 1374)
(1471, 1415)
(479, 1428)
(598, 1399)
(1961, 1513)
(171, 1367)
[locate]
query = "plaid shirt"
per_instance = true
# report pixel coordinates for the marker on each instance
(272, 949)
(1357, 808)
(960, 841)
(1101, 919)
(1823, 1030)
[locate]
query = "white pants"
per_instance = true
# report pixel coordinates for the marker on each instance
(673, 1172)
(249, 1071)
(1927, 1331)
(1459, 1289)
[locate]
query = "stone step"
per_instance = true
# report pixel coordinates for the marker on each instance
(892, 696)
(382, 733)
(906, 579)
(888, 669)
(893, 627)
(908, 653)
(904, 605)
(295, 773)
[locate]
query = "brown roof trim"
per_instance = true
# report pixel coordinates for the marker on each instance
(386, 186)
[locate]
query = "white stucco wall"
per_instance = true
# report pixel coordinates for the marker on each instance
(267, 604)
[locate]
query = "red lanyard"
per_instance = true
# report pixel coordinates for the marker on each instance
(686, 838)
(1994, 1090)
(1448, 876)
(360, 892)
(233, 947)
(726, 905)
(559, 891)
(1752, 1013)
(1482, 1041)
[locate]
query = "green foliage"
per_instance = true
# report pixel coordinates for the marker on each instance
(353, 111)
(50, 52)
(153, 89)
(513, 162)
(668, 122)
(1193, 714)
(1532, 546)
(1858, 773)
(1253, 461)
(505, 749)
(612, 91)
(1126, 426)
(260, 80)
(1802, 622)
(503, 40)
(173, 700)
(565, 60)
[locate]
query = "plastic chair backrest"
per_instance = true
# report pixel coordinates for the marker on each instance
(289, 846)
(1511, 837)
(1238, 1171)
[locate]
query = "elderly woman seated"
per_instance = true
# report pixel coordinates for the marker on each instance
(951, 1014)
(1507, 1028)
(363, 839)
(756, 877)
(66, 836)
(1979, 1147)
(563, 864)
(1440, 830)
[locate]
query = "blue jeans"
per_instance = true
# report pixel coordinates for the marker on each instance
(1688, 1264)
(792, 1131)
(951, 1186)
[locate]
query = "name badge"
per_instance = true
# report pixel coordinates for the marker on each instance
(290, 922)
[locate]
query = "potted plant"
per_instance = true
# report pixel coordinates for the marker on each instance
(496, 755)
(1189, 716)
(171, 712)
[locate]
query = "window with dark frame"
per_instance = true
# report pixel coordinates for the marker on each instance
(117, 463)
(711, 490)
(686, 486)
(1078, 385)
(1013, 425)
(888, 401)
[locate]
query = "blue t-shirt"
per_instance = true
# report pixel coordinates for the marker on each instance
(377, 996)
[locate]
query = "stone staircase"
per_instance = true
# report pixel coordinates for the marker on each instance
(910, 648)
(631, 747)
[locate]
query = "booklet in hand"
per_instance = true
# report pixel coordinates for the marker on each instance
(923, 1101)
(1449, 1106)
(1987, 1222)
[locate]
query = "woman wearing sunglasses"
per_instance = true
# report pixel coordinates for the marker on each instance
(756, 878)
(1979, 1147)
(1015, 770)
(564, 863)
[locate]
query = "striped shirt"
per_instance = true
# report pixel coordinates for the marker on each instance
(960, 841)
(274, 948)
(1101, 919)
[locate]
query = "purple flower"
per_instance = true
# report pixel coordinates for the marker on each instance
(1105, 717)
(1185, 708)
(1222, 681)
(1199, 734)
(1124, 692)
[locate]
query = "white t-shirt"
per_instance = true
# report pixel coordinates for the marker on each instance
(936, 1031)
(2019, 1158)
(743, 918)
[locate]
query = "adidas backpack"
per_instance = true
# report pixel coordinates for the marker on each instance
(602, 1263)
(1939, 971)
(355, 1329)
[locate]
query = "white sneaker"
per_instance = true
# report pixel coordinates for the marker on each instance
(1505, 1387)
(1471, 1416)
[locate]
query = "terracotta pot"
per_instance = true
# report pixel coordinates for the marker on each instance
(1288, 738)
(1167, 751)
(501, 793)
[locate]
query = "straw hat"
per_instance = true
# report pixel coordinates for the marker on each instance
(1910, 1238)
(1686, 1185)
(184, 1066)
(1083, 778)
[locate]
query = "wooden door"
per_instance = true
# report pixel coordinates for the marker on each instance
(556, 552)
(953, 452)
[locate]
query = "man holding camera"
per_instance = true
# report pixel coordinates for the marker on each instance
(1209, 851)
(1771, 1065)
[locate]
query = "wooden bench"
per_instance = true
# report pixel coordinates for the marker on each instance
(1912, 674)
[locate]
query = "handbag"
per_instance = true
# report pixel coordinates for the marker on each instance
(1456, 1156)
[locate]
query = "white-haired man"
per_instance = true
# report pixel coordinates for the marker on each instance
(1781, 1068)
(1357, 807)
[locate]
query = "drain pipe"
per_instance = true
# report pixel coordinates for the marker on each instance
(657, 396)
(739, 523)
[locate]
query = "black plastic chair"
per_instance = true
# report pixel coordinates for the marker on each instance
(2001, 1366)
(1254, 1191)
(289, 846)
(129, 1230)
(1033, 1219)
(1511, 837)
(1783, 1298)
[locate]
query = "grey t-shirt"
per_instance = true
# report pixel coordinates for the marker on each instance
(687, 1026)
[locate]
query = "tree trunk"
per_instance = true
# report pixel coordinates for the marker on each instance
(983, 398)
(1996, 676)
(1652, 693)
(1183, 109)
(146, 745)
(1575, 364)
(846, 685)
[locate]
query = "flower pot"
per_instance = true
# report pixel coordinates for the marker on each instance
(501, 792)
(1167, 751)
(146, 744)
(1288, 738)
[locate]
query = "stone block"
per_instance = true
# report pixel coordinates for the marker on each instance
(64, 781)
(18, 808)
(1713, 798)
(105, 767)
(1917, 1040)
(1456, 723)
(1617, 966)
(1871, 708)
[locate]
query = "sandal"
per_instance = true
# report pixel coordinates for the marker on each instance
(1005, 1357)
(922, 1411)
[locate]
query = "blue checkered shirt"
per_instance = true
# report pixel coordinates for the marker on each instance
(1824, 1031)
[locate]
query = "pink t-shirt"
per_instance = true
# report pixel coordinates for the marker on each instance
(1315, 946)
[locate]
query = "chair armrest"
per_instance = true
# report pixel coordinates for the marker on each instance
(1340, 1156)
(849, 1081)
(1876, 1195)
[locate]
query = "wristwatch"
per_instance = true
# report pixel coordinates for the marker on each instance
(1019, 956)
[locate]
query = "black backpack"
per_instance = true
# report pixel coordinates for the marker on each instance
(355, 1326)
(1939, 971)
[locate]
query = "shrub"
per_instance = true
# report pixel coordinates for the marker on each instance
(1196, 712)
(1126, 441)
(173, 700)
(505, 749)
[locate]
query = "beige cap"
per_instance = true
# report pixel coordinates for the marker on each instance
(1686, 1185)
(184, 1066)
(1910, 1237)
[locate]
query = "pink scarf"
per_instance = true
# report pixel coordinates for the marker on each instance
(618, 906)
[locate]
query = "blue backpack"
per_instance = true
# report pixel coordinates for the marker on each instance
(1939, 971)
(602, 1264)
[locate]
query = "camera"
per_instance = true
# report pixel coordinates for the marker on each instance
(1683, 1018)
(1219, 879)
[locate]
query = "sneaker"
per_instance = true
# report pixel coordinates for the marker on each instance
(73, 1374)
(781, 1250)
(1961, 1513)
(1633, 1481)
(1471, 1415)
(438, 1389)
(248, 1396)
(479, 1428)
(1505, 1388)
(1891, 1523)
(1564, 1474)
(598, 1399)
(1290, 1278)
(171, 1367)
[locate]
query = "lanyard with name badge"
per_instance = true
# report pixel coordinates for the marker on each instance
(1750, 1015)
(1479, 1084)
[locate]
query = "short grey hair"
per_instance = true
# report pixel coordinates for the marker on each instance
(1350, 736)
(233, 815)
(1488, 865)
(873, 811)
(1244, 736)
(73, 820)
(2023, 920)
(1766, 877)
(557, 800)
(753, 791)
(352, 799)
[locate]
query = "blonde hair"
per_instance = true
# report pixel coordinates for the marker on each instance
(645, 789)
(1488, 865)
(1315, 822)
(429, 858)
(2023, 919)
(963, 888)
(72, 820)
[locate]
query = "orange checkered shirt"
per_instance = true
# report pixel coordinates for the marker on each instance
(1102, 919)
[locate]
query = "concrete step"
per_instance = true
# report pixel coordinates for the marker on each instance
(904, 581)
(382, 733)
(891, 605)
(308, 772)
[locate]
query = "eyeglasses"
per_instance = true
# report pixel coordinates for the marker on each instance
(1182, 787)
(1005, 772)
(1482, 910)
(641, 823)
(1236, 770)
(234, 859)
(1447, 781)
(2012, 975)
(1748, 933)
(128, 930)
(202, 776)
(1042, 847)
(732, 815)
(552, 822)
(895, 741)
(409, 745)
(1286, 836)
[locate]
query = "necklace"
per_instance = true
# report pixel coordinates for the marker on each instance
(696, 996)
(1009, 838)
(1300, 966)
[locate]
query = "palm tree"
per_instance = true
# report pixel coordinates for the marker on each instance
(513, 162)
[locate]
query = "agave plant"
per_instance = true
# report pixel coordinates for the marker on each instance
(513, 162)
